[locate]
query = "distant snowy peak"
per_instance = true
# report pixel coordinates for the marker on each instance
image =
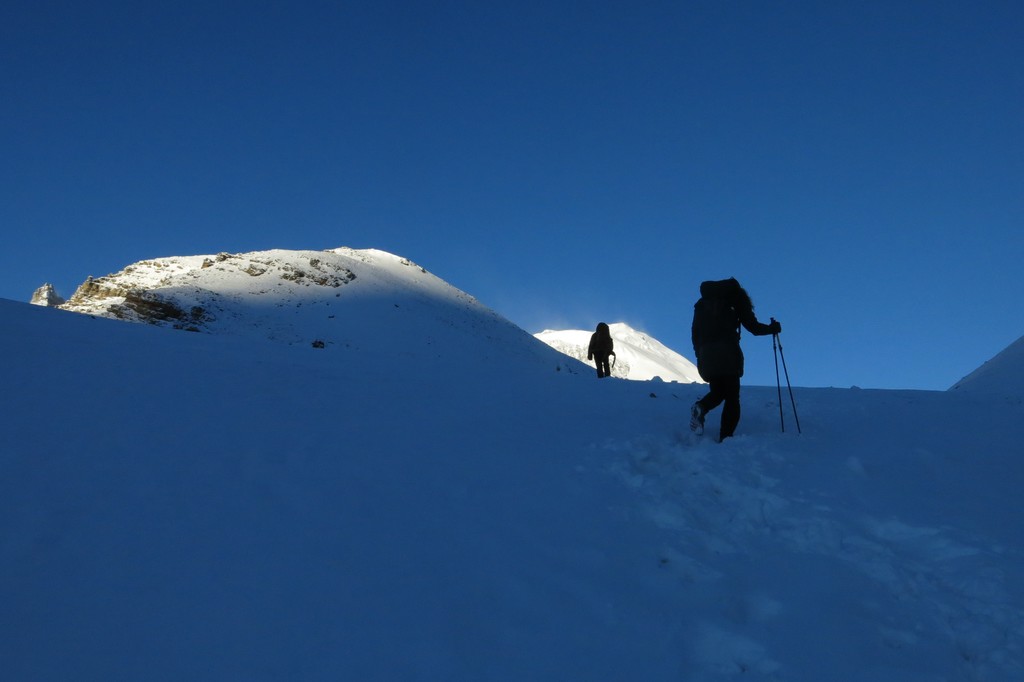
(1002, 375)
(638, 356)
(47, 296)
(341, 298)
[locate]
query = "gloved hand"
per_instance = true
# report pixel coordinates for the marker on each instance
(775, 327)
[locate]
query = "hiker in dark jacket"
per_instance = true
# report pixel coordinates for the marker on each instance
(717, 316)
(600, 349)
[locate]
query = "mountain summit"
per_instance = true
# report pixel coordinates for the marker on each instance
(338, 298)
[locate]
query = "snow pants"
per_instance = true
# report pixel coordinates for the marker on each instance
(724, 390)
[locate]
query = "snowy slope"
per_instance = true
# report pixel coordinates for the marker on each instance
(338, 299)
(637, 355)
(214, 506)
(1003, 375)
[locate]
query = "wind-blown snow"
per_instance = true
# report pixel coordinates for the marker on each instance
(637, 355)
(213, 506)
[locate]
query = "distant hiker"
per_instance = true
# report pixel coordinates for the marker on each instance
(600, 349)
(717, 316)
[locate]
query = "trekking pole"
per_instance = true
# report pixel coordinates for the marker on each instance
(778, 384)
(788, 385)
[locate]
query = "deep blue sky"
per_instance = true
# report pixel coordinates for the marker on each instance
(858, 166)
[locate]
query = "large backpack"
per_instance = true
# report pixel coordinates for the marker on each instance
(716, 329)
(718, 317)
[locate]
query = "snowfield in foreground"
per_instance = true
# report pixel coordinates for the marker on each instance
(222, 506)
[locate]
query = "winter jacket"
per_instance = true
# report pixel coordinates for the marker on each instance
(601, 344)
(717, 316)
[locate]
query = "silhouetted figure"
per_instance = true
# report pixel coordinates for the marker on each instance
(601, 348)
(717, 316)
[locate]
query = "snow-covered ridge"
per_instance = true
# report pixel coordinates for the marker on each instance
(337, 298)
(159, 290)
(638, 356)
(1002, 375)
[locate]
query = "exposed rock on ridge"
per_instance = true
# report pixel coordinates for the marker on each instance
(135, 293)
(47, 296)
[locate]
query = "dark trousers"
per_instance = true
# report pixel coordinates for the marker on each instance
(603, 369)
(724, 390)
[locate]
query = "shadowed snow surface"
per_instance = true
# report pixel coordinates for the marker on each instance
(217, 506)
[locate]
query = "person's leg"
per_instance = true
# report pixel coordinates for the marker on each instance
(731, 412)
(607, 367)
(716, 394)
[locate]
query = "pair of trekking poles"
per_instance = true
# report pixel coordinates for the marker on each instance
(777, 349)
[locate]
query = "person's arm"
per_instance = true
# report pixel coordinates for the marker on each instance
(695, 334)
(758, 328)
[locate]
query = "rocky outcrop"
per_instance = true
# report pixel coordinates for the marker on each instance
(147, 306)
(95, 289)
(106, 295)
(47, 296)
(189, 292)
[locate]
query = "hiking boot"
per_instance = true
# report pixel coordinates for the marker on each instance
(697, 419)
